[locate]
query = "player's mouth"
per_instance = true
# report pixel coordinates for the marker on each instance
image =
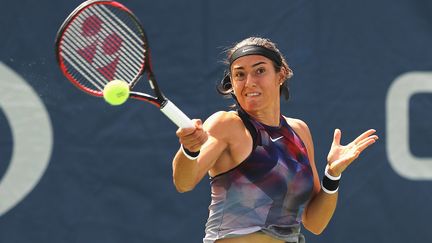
(252, 94)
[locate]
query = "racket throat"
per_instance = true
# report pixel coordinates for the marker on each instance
(154, 86)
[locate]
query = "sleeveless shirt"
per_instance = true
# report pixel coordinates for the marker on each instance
(267, 192)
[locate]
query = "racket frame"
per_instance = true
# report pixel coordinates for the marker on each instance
(159, 100)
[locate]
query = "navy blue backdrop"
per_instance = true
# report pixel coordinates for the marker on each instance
(74, 169)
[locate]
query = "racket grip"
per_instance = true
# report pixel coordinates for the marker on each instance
(176, 115)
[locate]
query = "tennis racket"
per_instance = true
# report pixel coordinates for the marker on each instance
(101, 41)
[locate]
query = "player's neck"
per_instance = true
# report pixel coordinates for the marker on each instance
(269, 117)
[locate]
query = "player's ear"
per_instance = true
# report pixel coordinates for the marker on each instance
(282, 76)
(226, 82)
(225, 86)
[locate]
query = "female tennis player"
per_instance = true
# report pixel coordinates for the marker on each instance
(264, 182)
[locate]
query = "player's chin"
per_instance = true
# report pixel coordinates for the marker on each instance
(250, 105)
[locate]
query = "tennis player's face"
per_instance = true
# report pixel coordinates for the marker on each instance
(256, 83)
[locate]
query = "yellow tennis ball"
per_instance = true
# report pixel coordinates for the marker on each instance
(116, 92)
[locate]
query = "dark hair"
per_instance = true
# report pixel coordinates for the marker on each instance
(225, 87)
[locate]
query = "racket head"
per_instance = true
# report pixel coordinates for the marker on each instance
(101, 41)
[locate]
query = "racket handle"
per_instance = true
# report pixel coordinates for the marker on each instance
(176, 115)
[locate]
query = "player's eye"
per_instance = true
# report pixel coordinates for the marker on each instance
(238, 76)
(260, 70)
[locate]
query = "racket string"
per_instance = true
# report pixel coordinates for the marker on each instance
(75, 59)
(132, 34)
(133, 47)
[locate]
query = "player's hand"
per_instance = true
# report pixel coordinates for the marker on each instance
(340, 156)
(192, 138)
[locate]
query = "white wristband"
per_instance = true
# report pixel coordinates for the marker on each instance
(328, 191)
(186, 154)
(330, 184)
(333, 178)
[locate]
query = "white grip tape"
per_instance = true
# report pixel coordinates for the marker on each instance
(176, 115)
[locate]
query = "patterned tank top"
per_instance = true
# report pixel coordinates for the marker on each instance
(265, 193)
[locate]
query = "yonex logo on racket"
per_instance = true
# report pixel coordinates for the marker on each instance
(101, 50)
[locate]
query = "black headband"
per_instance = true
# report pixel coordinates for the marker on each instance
(256, 50)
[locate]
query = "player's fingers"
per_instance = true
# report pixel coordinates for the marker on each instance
(365, 140)
(197, 122)
(341, 164)
(337, 136)
(366, 143)
(183, 132)
(198, 136)
(189, 144)
(195, 147)
(202, 138)
(364, 136)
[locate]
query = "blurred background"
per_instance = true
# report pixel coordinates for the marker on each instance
(74, 169)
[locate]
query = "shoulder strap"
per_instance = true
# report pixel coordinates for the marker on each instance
(250, 127)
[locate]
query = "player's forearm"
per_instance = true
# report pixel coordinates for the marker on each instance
(185, 172)
(319, 212)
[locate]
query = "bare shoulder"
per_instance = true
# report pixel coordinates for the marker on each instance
(223, 123)
(297, 124)
(301, 128)
(227, 131)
